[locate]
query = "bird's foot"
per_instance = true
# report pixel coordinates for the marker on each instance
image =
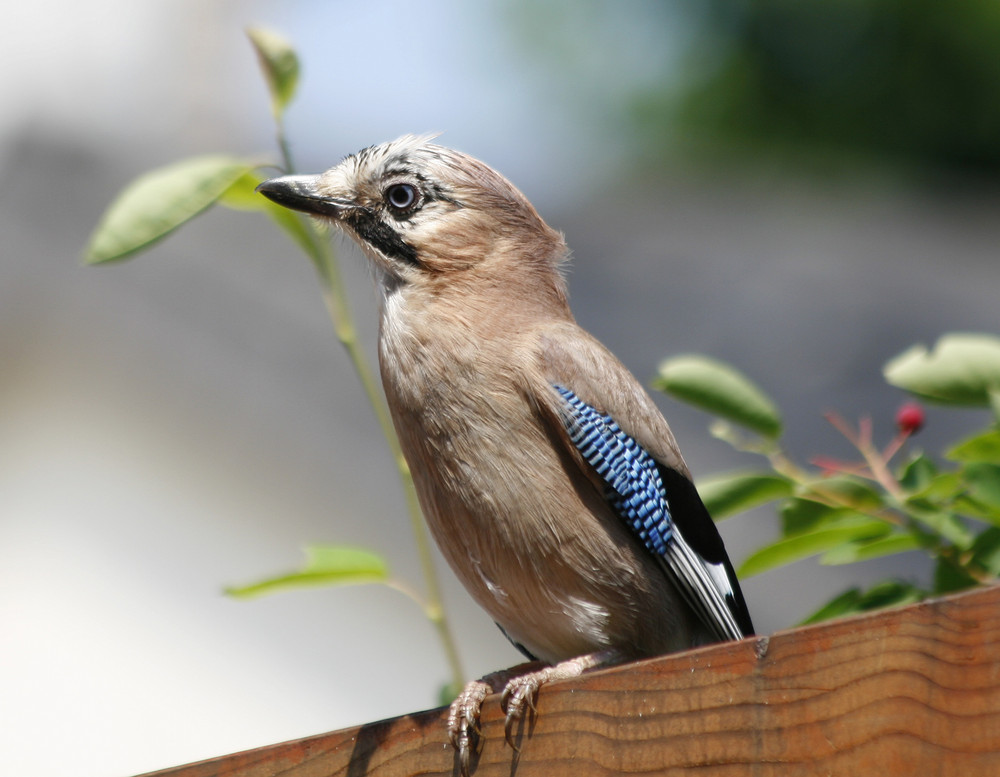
(463, 715)
(520, 686)
(463, 720)
(521, 691)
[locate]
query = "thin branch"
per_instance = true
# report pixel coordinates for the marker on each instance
(338, 307)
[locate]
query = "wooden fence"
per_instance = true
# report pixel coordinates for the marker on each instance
(913, 691)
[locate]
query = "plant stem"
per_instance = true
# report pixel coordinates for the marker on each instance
(338, 307)
(786, 467)
(335, 298)
(283, 146)
(880, 470)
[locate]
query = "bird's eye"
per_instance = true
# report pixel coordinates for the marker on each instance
(401, 196)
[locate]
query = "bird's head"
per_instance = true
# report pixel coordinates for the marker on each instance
(421, 211)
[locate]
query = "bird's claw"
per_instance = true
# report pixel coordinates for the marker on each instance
(463, 721)
(518, 693)
(520, 690)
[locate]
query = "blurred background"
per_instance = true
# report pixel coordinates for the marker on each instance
(802, 189)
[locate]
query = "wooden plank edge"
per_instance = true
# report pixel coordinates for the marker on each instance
(751, 675)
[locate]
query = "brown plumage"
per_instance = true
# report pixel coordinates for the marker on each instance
(476, 337)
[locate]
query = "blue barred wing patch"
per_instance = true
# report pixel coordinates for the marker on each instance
(633, 484)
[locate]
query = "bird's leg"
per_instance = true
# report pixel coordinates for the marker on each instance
(463, 715)
(521, 690)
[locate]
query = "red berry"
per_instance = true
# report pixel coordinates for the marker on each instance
(910, 418)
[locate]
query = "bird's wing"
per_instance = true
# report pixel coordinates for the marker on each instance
(599, 410)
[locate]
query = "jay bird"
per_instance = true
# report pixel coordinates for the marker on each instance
(549, 479)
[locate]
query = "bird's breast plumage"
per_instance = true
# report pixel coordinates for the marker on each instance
(520, 523)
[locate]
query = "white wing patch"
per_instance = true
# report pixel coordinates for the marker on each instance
(721, 578)
(588, 618)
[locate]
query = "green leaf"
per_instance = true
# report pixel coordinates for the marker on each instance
(918, 473)
(994, 396)
(942, 521)
(847, 490)
(962, 369)
(986, 550)
(844, 604)
(865, 550)
(800, 546)
(719, 389)
(155, 204)
(325, 565)
(243, 195)
(801, 514)
(949, 576)
(980, 494)
(727, 495)
(980, 447)
(280, 64)
(889, 593)
(966, 506)
(940, 490)
(984, 482)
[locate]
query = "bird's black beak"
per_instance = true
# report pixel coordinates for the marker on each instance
(300, 192)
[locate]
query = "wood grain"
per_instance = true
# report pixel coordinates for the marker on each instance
(914, 691)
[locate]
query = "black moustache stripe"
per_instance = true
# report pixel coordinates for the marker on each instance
(380, 236)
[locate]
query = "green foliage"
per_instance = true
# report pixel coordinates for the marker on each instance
(909, 82)
(889, 593)
(161, 201)
(845, 512)
(979, 447)
(280, 65)
(325, 565)
(242, 195)
(836, 529)
(963, 369)
(721, 390)
(902, 83)
(731, 494)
